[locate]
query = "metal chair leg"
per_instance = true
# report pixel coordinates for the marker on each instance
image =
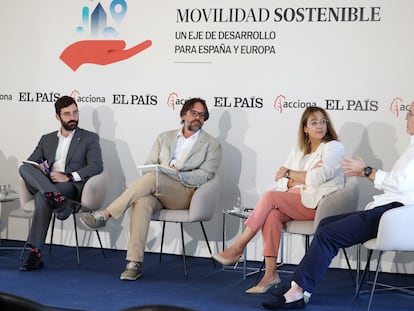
(183, 246)
(183, 243)
(51, 233)
(349, 266)
(358, 291)
(76, 237)
(307, 243)
(208, 244)
(100, 243)
(375, 280)
(162, 238)
(259, 273)
(24, 248)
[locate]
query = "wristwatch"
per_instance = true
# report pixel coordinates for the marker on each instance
(287, 174)
(367, 171)
(70, 176)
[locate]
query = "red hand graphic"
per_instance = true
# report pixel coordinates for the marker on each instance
(101, 52)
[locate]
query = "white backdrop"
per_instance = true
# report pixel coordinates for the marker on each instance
(357, 66)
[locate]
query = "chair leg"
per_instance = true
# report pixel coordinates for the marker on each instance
(259, 272)
(375, 280)
(24, 248)
(349, 266)
(100, 242)
(162, 238)
(51, 233)
(183, 245)
(208, 244)
(358, 291)
(307, 242)
(76, 237)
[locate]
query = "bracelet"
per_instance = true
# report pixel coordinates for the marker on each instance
(287, 174)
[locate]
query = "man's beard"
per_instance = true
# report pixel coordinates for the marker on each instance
(69, 126)
(194, 126)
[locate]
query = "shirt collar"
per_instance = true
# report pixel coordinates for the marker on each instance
(59, 134)
(194, 136)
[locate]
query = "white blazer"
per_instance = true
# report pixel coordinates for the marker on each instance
(320, 181)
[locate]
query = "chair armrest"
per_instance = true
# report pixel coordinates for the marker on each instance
(204, 200)
(93, 192)
(395, 230)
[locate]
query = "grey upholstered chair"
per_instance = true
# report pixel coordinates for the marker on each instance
(93, 195)
(202, 208)
(344, 200)
(396, 234)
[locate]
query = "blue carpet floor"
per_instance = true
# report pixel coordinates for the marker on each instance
(95, 284)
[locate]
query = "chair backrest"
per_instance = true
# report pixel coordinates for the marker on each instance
(93, 193)
(202, 206)
(204, 201)
(395, 230)
(344, 200)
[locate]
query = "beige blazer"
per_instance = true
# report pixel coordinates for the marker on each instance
(201, 163)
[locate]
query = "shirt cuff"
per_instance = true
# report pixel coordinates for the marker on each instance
(76, 176)
(379, 179)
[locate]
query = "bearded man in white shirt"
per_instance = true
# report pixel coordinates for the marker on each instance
(194, 157)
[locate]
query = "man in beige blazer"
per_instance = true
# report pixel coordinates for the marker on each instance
(193, 157)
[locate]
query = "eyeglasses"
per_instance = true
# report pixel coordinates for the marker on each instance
(195, 113)
(410, 114)
(315, 123)
(68, 114)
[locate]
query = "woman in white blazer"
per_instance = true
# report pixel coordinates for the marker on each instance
(311, 171)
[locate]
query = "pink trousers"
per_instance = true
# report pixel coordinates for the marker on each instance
(272, 211)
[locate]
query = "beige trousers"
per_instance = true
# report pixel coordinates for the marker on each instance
(144, 199)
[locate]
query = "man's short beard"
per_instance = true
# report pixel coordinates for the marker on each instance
(68, 127)
(193, 128)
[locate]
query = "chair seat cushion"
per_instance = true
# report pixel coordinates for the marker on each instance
(299, 227)
(172, 215)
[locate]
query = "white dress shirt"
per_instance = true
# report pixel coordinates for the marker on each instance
(398, 184)
(182, 148)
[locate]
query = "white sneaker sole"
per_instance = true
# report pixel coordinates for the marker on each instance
(128, 278)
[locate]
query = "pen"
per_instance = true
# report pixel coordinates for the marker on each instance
(45, 166)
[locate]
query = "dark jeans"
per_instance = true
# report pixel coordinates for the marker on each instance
(334, 233)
